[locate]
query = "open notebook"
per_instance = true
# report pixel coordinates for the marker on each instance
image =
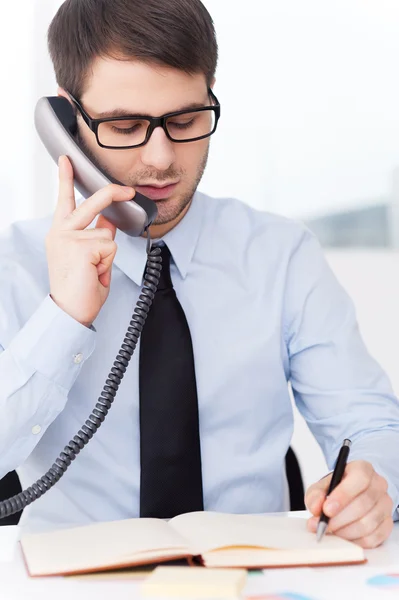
(217, 539)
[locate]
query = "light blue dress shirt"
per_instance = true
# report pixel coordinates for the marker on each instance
(264, 309)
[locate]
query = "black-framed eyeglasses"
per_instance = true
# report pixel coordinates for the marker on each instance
(121, 133)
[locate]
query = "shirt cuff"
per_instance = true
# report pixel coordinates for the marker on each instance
(54, 344)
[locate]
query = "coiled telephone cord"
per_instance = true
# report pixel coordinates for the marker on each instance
(107, 396)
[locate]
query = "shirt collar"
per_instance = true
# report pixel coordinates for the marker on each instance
(131, 256)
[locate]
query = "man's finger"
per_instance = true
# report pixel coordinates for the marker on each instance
(378, 536)
(316, 494)
(85, 214)
(360, 506)
(314, 501)
(367, 522)
(66, 193)
(357, 479)
(103, 223)
(95, 234)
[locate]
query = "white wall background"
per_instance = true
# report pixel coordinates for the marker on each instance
(321, 79)
(310, 123)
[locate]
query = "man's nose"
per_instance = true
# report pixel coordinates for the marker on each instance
(159, 151)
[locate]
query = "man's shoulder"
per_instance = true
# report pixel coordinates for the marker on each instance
(239, 219)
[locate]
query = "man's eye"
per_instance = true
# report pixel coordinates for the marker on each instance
(127, 130)
(182, 124)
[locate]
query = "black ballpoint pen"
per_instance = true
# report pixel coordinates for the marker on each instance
(335, 480)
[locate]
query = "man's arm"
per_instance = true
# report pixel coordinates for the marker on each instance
(339, 389)
(37, 371)
(40, 365)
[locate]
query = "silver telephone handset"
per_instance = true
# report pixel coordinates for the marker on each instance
(56, 124)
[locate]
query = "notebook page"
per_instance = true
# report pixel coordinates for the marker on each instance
(209, 531)
(99, 545)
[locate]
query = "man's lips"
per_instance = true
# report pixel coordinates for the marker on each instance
(156, 193)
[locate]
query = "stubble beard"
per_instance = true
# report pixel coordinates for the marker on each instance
(171, 208)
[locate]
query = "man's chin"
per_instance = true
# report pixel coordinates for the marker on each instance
(169, 210)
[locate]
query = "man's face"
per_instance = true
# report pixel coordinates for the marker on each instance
(135, 88)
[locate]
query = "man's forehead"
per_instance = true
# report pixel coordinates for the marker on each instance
(134, 87)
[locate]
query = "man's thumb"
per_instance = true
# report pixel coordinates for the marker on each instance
(316, 495)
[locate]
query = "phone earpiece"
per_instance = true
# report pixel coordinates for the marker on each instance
(65, 113)
(56, 124)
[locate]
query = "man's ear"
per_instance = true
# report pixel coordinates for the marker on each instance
(63, 93)
(213, 82)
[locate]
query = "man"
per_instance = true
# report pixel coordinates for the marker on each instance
(202, 421)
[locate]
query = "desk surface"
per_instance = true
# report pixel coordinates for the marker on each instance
(367, 582)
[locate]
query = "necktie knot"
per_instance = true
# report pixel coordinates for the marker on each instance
(165, 280)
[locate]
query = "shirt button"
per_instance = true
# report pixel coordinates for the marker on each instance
(77, 359)
(36, 429)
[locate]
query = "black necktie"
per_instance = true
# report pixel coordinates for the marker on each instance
(171, 478)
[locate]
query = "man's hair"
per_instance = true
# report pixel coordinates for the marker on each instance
(175, 33)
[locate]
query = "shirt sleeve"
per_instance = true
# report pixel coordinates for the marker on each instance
(37, 370)
(338, 387)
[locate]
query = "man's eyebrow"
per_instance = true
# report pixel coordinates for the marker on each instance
(120, 112)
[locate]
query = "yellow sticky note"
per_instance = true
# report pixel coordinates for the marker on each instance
(194, 582)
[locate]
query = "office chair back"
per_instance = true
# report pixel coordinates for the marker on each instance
(295, 482)
(9, 486)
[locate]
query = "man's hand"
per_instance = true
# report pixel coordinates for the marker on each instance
(359, 507)
(80, 259)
